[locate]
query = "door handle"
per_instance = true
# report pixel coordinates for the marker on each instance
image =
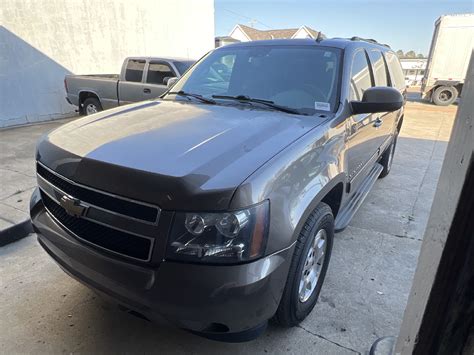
(147, 91)
(378, 122)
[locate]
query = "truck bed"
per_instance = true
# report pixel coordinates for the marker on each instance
(103, 86)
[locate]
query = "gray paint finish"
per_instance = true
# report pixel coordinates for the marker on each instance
(220, 147)
(114, 90)
(183, 156)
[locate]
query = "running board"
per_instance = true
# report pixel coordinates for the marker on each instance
(345, 215)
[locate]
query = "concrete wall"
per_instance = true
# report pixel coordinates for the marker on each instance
(42, 40)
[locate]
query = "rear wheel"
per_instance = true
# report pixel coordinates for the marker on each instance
(387, 157)
(308, 267)
(91, 105)
(445, 95)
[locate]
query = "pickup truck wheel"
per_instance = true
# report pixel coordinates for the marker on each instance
(308, 267)
(444, 95)
(387, 157)
(91, 105)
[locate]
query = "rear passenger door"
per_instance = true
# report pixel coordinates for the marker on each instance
(363, 143)
(157, 77)
(131, 88)
(385, 120)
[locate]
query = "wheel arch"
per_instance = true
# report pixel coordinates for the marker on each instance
(84, 95)
(331, 194)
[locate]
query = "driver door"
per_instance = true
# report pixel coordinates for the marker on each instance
(362, 150)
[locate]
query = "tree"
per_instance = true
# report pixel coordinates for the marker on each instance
(419, 55)
(400, 53)
(410, 54)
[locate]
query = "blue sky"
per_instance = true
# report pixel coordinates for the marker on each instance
(404, 24)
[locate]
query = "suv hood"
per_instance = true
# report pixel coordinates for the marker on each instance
(178, 155)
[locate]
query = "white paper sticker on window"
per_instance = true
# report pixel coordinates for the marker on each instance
(323, 106)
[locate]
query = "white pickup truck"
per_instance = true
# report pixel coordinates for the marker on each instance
(141, 78)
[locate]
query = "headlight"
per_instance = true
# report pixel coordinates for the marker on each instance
(228, 237)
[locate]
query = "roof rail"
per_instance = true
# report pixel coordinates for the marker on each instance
(370, 40)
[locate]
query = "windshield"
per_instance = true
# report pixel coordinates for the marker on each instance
(182, 66)
(299, 77)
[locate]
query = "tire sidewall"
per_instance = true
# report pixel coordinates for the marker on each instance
(391, 152)
(439, 90)
(91, 101)
(301, 309)
(386, 161)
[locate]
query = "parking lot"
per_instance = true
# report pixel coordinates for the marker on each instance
(364, 296)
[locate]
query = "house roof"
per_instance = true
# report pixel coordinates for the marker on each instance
(226, 38)
(256, 35)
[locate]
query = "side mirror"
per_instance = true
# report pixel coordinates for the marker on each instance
(169, 81)
(378, 99)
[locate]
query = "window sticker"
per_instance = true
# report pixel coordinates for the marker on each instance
(323, 106)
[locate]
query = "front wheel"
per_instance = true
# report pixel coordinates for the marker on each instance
(308, 267)
(91, 105)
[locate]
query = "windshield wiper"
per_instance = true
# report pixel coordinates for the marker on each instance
(268, 103)
(196, 96)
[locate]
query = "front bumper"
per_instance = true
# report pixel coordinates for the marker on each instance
(202, 298)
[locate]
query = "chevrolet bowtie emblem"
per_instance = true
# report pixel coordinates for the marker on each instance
(72, 206)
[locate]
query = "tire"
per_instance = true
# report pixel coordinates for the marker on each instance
(296, 304)
(387, 157)
(90, 106)
(444, 95)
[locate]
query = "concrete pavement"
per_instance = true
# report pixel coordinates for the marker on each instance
(17, 171)
(363, 298)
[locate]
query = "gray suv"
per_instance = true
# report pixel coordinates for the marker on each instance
(215, 206)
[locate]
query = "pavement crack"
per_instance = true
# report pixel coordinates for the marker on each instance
(16, 171)
(324, 338)
(406, 237)
(17, 192)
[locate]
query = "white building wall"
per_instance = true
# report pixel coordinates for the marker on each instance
(301, 33)
(238, 34)
(42, 40)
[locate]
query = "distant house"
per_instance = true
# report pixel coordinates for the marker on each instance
(223, 40)
(244, 33)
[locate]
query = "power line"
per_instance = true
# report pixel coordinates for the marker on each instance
(248, 18)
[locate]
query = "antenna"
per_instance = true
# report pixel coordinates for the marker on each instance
(320, 37)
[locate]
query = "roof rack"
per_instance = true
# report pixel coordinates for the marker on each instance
(370, 40)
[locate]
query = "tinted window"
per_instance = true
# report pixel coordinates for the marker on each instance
(183, 65)
(300, 77)
(216, 77)
(134, 71)
(360, 76)
(158, 71)
(378, 68)
(395, 69)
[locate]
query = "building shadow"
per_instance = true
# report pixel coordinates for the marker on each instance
(31, 83)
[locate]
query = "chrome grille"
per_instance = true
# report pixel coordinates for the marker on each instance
(124, 206)
(106, 222)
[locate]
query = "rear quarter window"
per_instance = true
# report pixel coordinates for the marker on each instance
(395, 69)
